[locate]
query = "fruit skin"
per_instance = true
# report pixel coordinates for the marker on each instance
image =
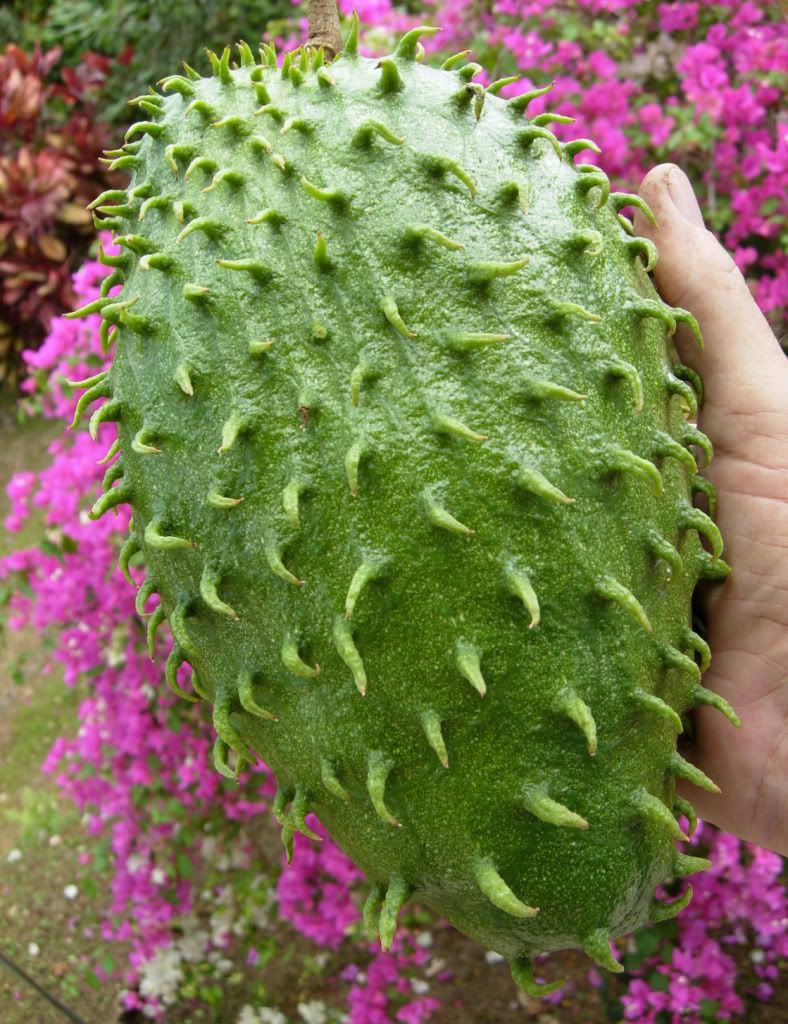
(406, 443)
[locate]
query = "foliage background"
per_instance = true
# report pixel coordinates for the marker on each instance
(156, 36)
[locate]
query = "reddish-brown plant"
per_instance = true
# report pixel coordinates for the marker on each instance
(50, 142)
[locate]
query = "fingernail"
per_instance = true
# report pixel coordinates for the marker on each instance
(683, 197)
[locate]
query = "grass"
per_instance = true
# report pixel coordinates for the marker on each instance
(42, 714)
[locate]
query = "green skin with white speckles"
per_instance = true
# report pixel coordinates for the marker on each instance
(462, 438)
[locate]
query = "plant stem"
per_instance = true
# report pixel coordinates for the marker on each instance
(324, 27)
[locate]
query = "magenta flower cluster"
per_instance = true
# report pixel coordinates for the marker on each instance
(314, 898)
(739, 904)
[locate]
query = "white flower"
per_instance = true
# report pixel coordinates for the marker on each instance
(33, 948)
(248, 1015)
(435, 966)
(55, 840)
(14, 856)
(492, 957)
(259, 917)
(259, 913)
(161, 975)
(757, 956)
(224, 895)
(134, 862)
(270, 1016)
(313, 1012)
(419, 986)
(209, 847)
(222, 924)
(192, 946)
(424, 939)
(158, 876)
(239, 856)
(71, 892)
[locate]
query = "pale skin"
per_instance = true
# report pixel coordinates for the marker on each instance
(746, 415)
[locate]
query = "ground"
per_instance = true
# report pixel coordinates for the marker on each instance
(57, 939)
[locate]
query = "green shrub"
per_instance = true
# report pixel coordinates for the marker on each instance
(151, 37)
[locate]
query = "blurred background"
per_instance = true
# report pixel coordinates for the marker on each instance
(136, 882)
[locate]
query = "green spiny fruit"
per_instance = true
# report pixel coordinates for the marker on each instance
(407, 448)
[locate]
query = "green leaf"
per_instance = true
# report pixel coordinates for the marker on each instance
(658, 982)
(646, 942)
(90, 888)
(770, 206)
(139, 796)
(51, 549)
(183, 865)
(708, 1009)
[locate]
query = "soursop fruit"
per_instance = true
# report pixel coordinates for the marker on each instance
(412, 468)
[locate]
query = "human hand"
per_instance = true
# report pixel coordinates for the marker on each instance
(745, 413)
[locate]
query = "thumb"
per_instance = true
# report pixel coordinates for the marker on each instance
(694, 271)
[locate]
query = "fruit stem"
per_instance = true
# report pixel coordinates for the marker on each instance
(324, 27)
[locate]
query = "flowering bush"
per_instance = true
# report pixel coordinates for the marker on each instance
(683, 971)
(50, 143)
